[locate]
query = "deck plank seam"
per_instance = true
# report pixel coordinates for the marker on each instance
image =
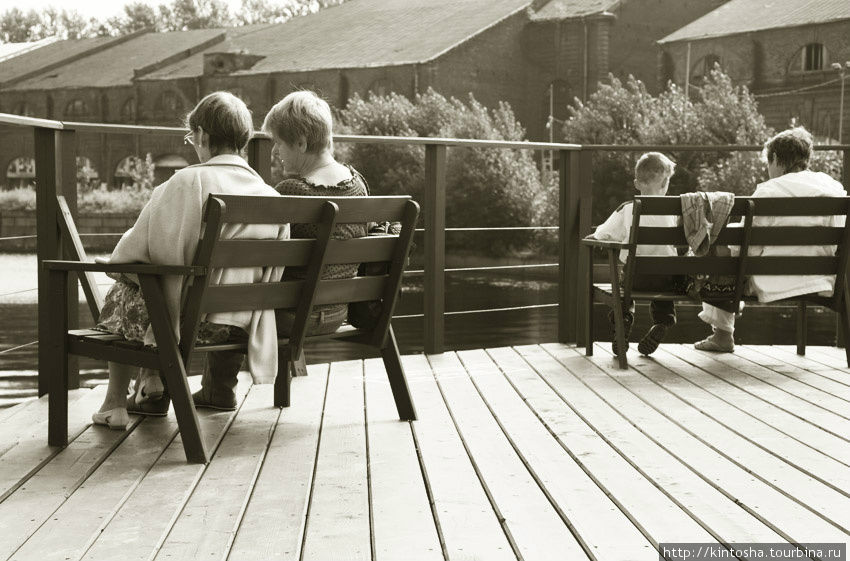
(561, 514)
(803, 442)
(499, 515)
(620, 452)
(738, 502)
(111, 515)
(369, 495)
(91, 469)
(818, 373)
(750, 440)
(755, 473)
(752, 360)
(194, 485)
(303, 535)
(428, 491)
(252, 485)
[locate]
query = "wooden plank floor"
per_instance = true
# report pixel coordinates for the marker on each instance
(530, 453)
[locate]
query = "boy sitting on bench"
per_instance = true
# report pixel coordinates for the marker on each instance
(652, 177)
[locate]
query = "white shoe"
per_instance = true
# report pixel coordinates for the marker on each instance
(114, 418)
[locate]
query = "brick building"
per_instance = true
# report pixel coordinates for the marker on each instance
(782, 50)
(531, 54)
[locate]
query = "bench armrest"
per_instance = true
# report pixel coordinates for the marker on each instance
(127, 268)
(593, 242)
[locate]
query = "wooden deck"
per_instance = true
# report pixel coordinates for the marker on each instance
(535, 453)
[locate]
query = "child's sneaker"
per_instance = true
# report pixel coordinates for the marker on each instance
(652, 339)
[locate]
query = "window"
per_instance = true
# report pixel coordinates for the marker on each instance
(703, 67)
(20, 173)
(76, 108)
(812, 57)
(128, 111)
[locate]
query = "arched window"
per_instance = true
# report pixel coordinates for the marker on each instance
(76, 108)
(20, 173)
(812, 57)
(166, 165)
(128, 111)
(133, 169)
(169, 102)
(381, 86)
(23, 109)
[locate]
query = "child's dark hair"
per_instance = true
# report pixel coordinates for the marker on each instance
(791, 149)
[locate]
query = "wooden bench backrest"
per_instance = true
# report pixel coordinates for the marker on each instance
(751, 234)
(310, 254)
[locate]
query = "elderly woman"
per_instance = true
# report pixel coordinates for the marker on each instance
(787, 155)
(302, 127)
(167, 232)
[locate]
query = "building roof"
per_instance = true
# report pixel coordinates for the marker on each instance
(113, 66)
(742, 16)
(9, 50)
(566, 9)
(46, 55)
(360, 33)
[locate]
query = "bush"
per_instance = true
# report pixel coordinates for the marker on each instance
(17, 199)
(485, 187)
(127, 200)
(621, 113)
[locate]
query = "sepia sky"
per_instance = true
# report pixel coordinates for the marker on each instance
(90, 8)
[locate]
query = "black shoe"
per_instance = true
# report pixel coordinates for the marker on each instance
(652, 339)
(151, 407)
(214, 400)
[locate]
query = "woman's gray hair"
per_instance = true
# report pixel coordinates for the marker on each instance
(301, 114)
(225, 118)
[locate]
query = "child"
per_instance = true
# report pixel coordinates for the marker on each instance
(652, 177)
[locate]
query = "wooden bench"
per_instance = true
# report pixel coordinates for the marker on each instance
(173, 358)
(614, 293)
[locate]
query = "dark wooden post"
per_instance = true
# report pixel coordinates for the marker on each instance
(260, 157)
(47, 240)
(435, 247)
(585, 214)
(845, 179)
(568, 244)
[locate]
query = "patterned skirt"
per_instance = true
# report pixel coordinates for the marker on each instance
(124, 313)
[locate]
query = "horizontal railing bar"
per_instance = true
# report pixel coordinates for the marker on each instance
(18, 347)
(511, 309)
(501, 267)
(7, 238)
(18, 292)
(694, 147)
(459, 142)
(94, 234)
(20, 121)
(495, 228)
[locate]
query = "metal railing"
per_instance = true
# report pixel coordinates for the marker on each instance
(55, 152)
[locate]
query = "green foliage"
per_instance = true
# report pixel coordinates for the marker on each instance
(17, 199)
(485, 187)
(625, 113)
(127, 200)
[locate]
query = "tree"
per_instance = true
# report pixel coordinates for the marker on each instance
(485, 186)
(16, 26)
(137, 16)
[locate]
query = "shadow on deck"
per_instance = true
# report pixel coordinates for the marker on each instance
(535, 452)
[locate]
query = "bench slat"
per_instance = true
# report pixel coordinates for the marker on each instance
(268, 210)
(286, 294)
(764, 206)
(773, 265)
(263, 253)
(760, 235)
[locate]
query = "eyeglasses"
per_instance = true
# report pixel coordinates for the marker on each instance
(188, 138)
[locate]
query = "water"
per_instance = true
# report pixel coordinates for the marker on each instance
(465, 291)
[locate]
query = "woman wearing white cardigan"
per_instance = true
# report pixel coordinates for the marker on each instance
(167, 232)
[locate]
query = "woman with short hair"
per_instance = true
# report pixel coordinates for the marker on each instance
(301, 126)
(167, 232)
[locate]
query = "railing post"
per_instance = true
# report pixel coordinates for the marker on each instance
(585, 213)
(568, 244)
(845, 180)
(47, 236)
(435, 247)
(260, 157)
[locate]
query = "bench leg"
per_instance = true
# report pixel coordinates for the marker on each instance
(617, 308)
(284, 377)
(588, 316)
(801, 328)
(53, 360)
(172, 367)
(398, 383)
(844, 316)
